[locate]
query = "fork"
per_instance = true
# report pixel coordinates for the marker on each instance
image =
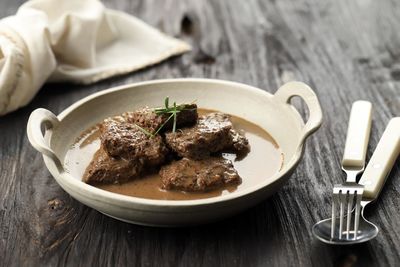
(353, 163)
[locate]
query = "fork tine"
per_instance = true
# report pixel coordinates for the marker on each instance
(349, 212)
(334, 203)
(357, 213)
(341, 218)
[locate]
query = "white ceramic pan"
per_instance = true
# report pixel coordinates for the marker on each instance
(273, 113)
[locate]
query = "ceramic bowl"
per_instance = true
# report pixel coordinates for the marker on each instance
(273, 113)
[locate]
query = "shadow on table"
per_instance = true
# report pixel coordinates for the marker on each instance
(267, 234)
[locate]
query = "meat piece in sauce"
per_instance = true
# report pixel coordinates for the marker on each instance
(212, 133)
(106, 169)
(148, 119)
(240, 143)
(123, 139)
(198, 175)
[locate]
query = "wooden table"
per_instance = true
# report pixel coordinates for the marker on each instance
(345, 50)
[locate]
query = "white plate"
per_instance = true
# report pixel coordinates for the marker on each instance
(273, 113)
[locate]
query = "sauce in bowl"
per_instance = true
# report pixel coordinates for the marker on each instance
(262, 162)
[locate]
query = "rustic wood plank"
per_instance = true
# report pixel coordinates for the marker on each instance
(346, 50)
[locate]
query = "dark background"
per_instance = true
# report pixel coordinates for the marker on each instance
(345, 50)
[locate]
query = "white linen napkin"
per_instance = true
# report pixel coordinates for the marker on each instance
(73, 40)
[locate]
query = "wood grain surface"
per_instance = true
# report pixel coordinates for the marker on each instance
(345, 50)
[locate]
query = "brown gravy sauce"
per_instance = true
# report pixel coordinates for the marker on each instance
(263, 161)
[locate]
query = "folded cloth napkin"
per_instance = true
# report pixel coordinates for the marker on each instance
(73, 40)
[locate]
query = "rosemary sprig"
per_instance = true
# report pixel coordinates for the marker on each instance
(172, 111)
(169, 110)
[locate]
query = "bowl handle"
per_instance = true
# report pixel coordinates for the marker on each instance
(291, 89)
(38, 118)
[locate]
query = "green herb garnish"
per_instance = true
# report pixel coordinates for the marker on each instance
(173, 110)
(173, 113)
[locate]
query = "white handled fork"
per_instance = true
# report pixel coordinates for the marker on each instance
(373, 179)
(353, 163)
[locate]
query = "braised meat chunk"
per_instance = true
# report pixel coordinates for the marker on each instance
(148, 119)
(198, 175)
(123, 139)
(212, 133)
(106, 169)
(240, 144)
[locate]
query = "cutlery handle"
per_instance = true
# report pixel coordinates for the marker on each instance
(382, 160)
(358, 132)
